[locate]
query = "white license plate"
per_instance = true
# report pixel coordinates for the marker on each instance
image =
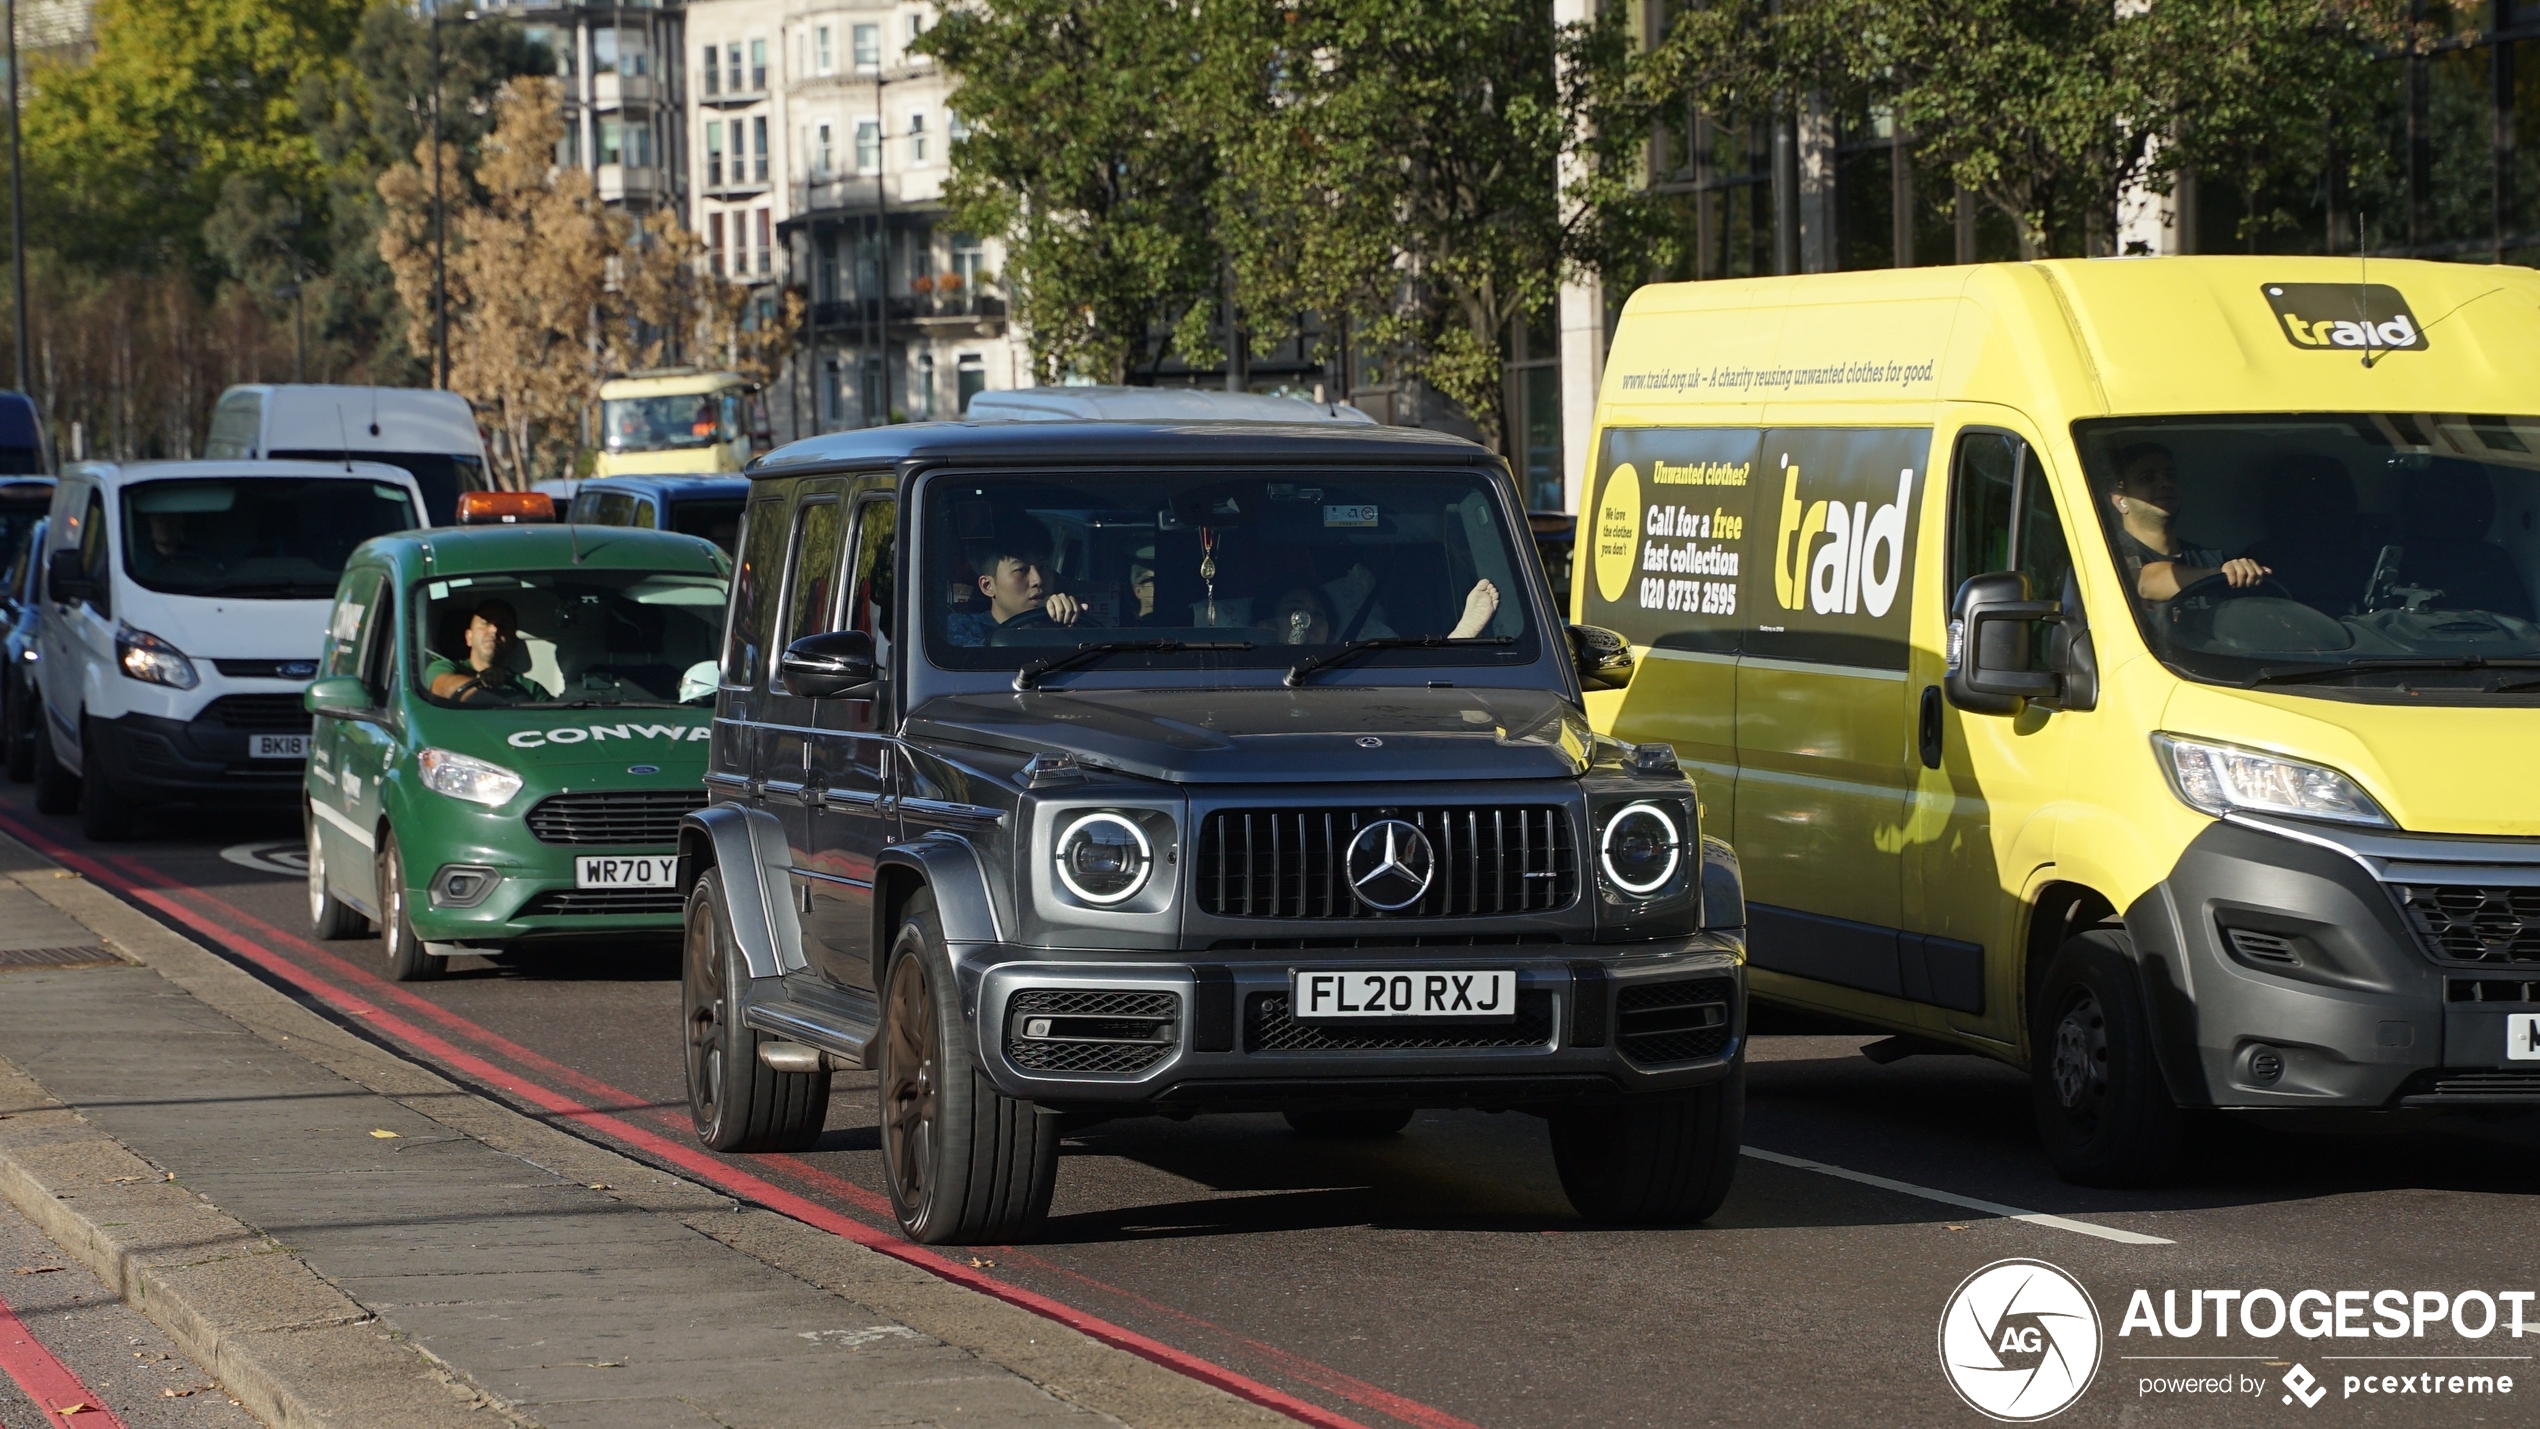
(278, 746)
(1423, 995)
(2522, 1036)
(647, 871)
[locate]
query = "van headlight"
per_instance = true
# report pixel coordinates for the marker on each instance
(1104, 858)
(464, 777)
(1641, 847)
(146, 657)
(2218, 779)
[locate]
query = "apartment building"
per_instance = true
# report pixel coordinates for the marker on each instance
(624, 91)
(818, 150)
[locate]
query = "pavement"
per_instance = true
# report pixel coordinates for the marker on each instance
(337, 1236)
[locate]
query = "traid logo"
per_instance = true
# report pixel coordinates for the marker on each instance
(2353, 316)
(1834, 558)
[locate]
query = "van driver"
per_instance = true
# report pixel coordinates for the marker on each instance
(1014, 576)
(484, 677)
(2145, 495)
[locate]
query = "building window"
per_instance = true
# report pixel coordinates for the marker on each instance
(916, 25)
(604, 51)
(917, 141)
(956, 126)
(713, 71)
(714, 241)
(823, 62)
(639, 144)
(758, 64)
(868, 146)
(868, 48)
(970, 374)
(612, 140)
(825, 279)
(714, 154)
(758, 161)
(833, 393)
(634, 54)
(824, 153)
(766, 238)
(732, 67)
(926, 386)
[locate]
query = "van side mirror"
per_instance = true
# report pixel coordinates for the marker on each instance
(837, 663)
(1603, 657)
(338, 696)
(1992, 629)
(65, 579)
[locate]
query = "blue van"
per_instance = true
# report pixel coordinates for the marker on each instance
(708, 506)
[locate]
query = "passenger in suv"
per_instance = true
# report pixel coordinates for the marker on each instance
(1030, 790)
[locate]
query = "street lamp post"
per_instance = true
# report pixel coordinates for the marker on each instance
(17, 199)
(440, 215)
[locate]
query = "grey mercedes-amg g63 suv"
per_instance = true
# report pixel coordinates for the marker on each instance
(1062, 771)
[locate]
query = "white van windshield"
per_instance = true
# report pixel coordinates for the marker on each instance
(254, 538)
(661, 424)
(2389, 554)
(569, 638)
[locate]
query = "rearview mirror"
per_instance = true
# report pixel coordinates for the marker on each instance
(825, 666)
(1603, 657)
(342, 696)
(1992, 629)
(65, 579)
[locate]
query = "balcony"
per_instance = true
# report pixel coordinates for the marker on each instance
(733, 98)
(922, 311)
(616, 91)
(623, 183)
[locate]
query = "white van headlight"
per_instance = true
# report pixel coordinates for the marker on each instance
(1640, 847)
(1104, 858)
(2220, 778)
(463, 777)
(145, 656)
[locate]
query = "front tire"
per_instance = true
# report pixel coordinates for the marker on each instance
(737, 1102)
(330, 918)
(1348, 1123)
(56, 788)
(965, 1165)
(2103, 1111)
(407, 960)
(1651, 1160)
(105, 815)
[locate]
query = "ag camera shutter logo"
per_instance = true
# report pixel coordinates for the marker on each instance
(2020, 1341)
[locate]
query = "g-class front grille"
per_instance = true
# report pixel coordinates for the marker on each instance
(1051, 1029)
(1673, 1021)
(1290, 863)
(627, 817)
(1268, 1027)
(2468, 923)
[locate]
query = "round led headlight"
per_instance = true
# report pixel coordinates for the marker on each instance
(1104, 859)
(1641, 848)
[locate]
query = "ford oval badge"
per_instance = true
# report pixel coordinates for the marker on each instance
(643, 769)
(1369, 741)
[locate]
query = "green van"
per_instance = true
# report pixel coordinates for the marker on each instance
(510, 722)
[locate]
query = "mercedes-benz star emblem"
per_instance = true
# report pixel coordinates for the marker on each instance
(1390, 864)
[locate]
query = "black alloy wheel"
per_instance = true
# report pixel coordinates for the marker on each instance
(735, 1101)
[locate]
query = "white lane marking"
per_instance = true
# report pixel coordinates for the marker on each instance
(289, 858)
(1952, 1198)
(346, 826)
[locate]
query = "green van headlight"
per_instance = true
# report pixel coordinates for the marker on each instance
(463, 777)
(2219, 779)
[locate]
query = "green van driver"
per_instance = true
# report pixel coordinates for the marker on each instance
(493, 634)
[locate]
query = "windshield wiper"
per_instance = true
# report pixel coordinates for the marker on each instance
(2304, 674)
(1351, 651)
(1031, 674)
(305, 590)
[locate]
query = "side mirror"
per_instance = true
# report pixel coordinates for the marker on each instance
(342, 696)
(1992, 629)
(1603, 658)
(65, 579)
(825, 666)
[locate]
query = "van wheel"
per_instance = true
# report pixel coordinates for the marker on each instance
(17, 730)
(966, 1166)
(738, 1102)
(1348, 1124)
(330, 917)
(407, 961)
(1655, 1159)
(2103, 1111)
(56, 788)
(105, 815)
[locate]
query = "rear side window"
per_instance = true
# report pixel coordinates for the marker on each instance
(817, 528)
(754, 584)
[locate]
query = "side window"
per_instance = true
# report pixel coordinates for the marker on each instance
(2002, 516)
(754, 583)
(92, 538)
(869, 604)
(348, 631)
(813, 572)
(644, 516)
(378, 647)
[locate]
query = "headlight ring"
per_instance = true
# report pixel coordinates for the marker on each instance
(1641, 848)
(1104, 858)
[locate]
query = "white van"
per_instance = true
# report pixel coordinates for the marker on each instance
(431, 434)
(185, 605)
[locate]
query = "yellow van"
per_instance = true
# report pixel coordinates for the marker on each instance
(2125, 669)
(676, 422)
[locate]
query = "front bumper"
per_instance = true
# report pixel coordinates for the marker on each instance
(1593, 1021)
(202, 760)
(2284, 971)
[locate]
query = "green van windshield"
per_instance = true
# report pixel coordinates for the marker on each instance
(566, 639)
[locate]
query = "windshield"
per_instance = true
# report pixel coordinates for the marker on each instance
(439, 476)
(718, 520)
(661, 424)
(269, 538)
(2377, 553)
(1019, 569)
(568, 638)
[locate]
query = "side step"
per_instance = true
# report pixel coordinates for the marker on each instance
(844, 1032)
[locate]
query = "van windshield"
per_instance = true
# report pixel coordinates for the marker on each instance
(440, 476)
(568, 639)
(2387, 555)
(1022, 569)
(661, 424)
(254, 538)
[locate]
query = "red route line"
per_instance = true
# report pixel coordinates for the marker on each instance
(130, 879)
(45, 1379)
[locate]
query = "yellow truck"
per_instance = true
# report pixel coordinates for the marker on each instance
(675, 422)
(2125, 669)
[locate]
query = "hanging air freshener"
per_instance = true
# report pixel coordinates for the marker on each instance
(1208, 570)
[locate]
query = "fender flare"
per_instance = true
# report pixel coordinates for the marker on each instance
(946, 865)
(1723, 888)
(732, 837)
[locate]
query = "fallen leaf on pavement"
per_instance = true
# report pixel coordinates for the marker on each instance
(385, 1135)
(37, 1269)
(81, 1408)
(977, 1263)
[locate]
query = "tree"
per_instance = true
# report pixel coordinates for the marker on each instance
(666, 300)
(1084, 151)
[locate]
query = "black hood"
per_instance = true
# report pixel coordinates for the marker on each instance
(1346, 734)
